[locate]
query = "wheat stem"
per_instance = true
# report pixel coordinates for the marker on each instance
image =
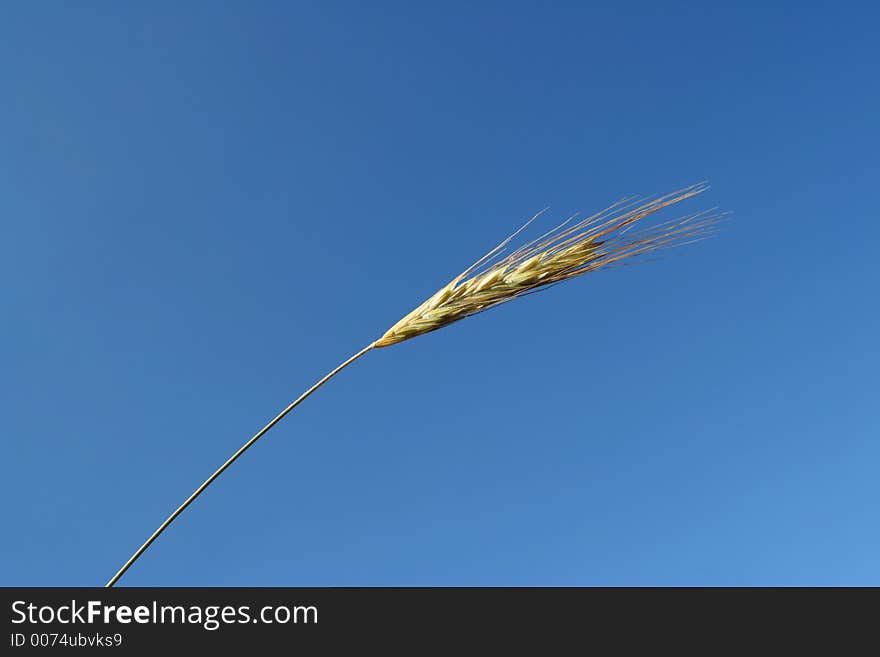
(571, 249)
(232, 460)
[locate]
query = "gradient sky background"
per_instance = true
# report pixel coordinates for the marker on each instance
(204, 208)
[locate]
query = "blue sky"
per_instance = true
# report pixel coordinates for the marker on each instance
(203, 208)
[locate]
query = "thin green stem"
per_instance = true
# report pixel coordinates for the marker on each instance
(232, 460)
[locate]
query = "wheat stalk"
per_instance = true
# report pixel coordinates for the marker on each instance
(571, 249)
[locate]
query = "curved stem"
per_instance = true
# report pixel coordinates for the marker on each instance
(232, 460)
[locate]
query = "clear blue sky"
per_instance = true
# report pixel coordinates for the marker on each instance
(203, 208)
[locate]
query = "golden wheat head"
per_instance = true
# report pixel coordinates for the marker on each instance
(567, 251)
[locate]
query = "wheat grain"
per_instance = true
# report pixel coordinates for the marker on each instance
(564, 252)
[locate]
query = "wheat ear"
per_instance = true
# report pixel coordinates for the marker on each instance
(571, 249)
